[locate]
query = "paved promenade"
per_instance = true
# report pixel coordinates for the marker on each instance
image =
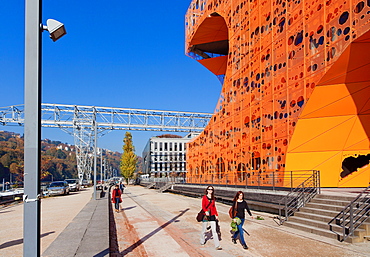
(56, 213)
(156, 224)
(163, 224)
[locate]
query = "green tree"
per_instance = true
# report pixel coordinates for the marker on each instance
(128, 158)
(60, 154)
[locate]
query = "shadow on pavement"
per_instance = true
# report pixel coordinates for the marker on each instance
(128, 208)
(102, 253)
(20, 241)
(142, 240)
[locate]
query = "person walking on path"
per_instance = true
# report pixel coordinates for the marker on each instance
(122, 187)
(211, 215)
(238, 211)
(116, 197)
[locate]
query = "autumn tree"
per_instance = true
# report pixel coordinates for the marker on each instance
(45, 165)
(17, 171)
(6, 160)
(128, 158)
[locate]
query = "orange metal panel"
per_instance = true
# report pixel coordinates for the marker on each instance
(357, 138)
(215, 65)
(295, 92)
(333, 100)
(317, 134)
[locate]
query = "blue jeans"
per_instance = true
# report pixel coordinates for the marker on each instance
(240, 232)
(116, 204)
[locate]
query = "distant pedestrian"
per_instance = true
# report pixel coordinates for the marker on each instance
(237, 213)
(116, 197)
(211, 215)
(122, 187)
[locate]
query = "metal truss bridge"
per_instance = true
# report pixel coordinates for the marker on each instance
(87, 123)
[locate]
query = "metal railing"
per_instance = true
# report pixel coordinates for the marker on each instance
(175, 180)
(352, 216)
(299, 196)
(268, 180)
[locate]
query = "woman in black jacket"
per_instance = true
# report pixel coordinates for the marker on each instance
(238, 208)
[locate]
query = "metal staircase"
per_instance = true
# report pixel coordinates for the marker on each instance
(299, 196)
(317, 217)
(151, 185)
(351, 220)
(166, 187)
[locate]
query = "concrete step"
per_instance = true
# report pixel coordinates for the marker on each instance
(309, 222)
(328, 213)
(324, 225)
(336, 208)
(311, 229)
(335, 197)
(312, 216)
(330, 202)
(322, 232)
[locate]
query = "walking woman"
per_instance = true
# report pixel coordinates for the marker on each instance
(209, 207)
(116, 197)
(238, 211)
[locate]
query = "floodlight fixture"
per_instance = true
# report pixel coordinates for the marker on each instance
(55, 28)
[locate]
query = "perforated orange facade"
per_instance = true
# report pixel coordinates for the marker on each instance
(295, 93)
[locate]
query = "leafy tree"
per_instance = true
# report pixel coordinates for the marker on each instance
(52, 152)
(61, 163)
(128, 158)
(46, 164)
(60, 154)
(6, 160)
(17, 171)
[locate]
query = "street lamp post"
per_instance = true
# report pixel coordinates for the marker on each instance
(32, 129)
(95, 153)
(32, 123)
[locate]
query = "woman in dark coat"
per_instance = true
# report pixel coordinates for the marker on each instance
(238, 210)
(116, 197)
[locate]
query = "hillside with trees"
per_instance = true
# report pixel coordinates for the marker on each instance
(58, 160)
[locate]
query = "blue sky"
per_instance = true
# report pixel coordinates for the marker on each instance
(115, 54)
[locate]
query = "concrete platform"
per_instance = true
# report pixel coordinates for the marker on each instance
(86, 235)
(163, 224)
(57, 213)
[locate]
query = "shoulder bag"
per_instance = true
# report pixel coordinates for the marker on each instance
(232, 211)
(201, 214)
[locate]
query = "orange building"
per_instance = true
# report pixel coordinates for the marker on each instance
(295, 90)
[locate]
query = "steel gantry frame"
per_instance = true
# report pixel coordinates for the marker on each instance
(87, 123)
